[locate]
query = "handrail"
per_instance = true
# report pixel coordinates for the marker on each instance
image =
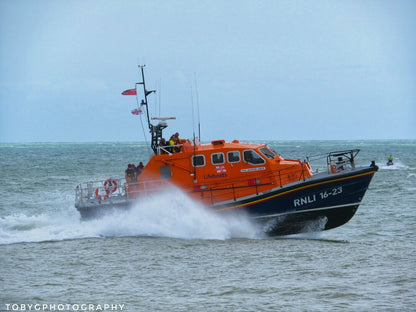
(234, 189)
(97, 190)
(169, 149)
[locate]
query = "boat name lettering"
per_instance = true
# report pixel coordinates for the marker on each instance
(304, 200)
(253, 169)
(215, 176)
(308, 199)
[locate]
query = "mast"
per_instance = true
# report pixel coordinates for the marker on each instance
(146, 93)
(156, 131)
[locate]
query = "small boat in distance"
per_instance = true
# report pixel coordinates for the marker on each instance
(285, 196)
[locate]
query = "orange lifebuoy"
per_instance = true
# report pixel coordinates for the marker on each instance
(110, 186)
(333, 170)
(97, 194)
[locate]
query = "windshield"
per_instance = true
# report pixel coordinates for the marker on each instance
(267, 152)
(251, 157)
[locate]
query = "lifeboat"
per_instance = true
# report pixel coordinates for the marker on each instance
(284, 196)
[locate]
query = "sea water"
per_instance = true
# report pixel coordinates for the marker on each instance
(171, 254)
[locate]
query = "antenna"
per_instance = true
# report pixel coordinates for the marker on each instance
(193, 113)
(158, 110)
(197, 103)
(193, 130)
(156, 100)
(160, 96)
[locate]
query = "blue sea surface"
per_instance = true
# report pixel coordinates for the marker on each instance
(172, 254)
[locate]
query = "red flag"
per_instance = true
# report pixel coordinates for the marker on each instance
(129, 92)
(136, 111)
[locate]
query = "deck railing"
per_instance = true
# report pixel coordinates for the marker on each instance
(116, 188)
(95, 189)
(251, 186)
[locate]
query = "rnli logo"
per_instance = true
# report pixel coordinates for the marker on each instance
(221, 173)
(221, 169)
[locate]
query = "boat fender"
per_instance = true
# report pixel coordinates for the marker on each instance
(98, 196)
(110, 186)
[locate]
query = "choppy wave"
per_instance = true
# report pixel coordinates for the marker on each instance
(171, 214)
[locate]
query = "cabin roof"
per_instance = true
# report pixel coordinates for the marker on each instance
(221, 144)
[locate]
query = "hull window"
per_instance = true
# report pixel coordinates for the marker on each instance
(198, 160)
(233, 157)
(251, 157)
(217, 158)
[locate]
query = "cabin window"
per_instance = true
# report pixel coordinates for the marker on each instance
(268, 153)
(217, 158)
(165, 172)
(251, 157)
(233, 157)
(198, 161)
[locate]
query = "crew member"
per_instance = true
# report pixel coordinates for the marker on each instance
(172, 144)
(130, 173)
(340, 164)
(139, 169)
(178, 141)
(163, 145)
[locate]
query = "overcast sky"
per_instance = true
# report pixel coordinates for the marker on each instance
(272, 70)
